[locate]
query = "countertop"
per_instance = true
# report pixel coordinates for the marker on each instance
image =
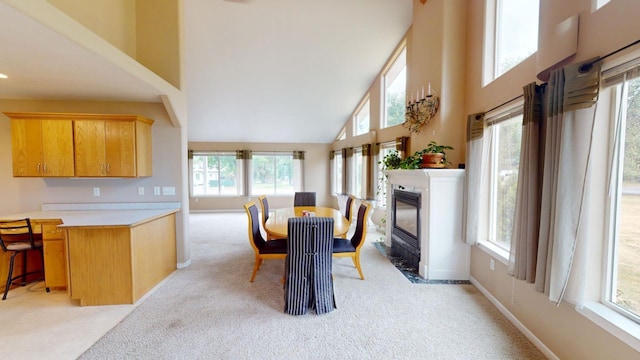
(95, 218)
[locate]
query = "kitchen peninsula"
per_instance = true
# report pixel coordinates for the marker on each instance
(107, 253)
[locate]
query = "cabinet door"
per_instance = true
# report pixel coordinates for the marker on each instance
(89, 144)
(120, 144)
(26, 144)
(57, 148)
(55, 257)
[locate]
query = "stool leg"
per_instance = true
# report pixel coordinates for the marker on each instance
(24, 268)
(6, 288)
(44, 276)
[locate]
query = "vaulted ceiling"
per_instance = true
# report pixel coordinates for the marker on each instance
(255, 70)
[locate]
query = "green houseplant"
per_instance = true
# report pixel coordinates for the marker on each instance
(435, 155)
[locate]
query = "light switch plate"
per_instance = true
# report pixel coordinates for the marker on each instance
(96, 191)
(156, 190)
(168, 190)
(140, 190)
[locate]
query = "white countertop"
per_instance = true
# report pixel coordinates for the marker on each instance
(95, 218)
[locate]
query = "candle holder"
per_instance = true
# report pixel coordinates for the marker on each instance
(420, 112)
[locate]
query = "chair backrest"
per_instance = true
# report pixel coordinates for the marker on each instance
(304, 199)
(264, 205)
(348, 206)
(360, 234)
(14, 231)
(255, 237)
(309, 281)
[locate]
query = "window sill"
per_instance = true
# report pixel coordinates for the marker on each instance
(628, 331)
(494, 251)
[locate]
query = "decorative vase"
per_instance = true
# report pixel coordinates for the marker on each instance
(433, 160)
(378, 218)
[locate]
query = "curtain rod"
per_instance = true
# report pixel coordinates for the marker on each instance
(584, 68)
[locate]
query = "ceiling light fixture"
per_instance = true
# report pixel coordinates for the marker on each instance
(3, 76)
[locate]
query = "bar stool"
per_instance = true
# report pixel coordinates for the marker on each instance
(17, 237)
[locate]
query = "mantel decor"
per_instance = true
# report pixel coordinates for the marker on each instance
(420, 112)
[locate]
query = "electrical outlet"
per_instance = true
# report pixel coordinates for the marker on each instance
(492, 264)
(96, 191)
(140, 190)
(156, 190)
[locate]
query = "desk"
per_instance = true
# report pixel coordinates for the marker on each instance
(277, 223)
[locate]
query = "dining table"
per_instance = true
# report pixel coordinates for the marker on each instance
(278, 221)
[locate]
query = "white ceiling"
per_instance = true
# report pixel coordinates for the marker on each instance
(255, 70)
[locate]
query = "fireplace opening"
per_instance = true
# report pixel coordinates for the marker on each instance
(405, 228)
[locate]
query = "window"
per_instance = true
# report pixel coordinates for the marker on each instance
(395, 87)
(511, 35)
(361, 120)
(272, 174)
(505, 134)
(381, 193)
(342, 135)
(622, 290)
(216, 174)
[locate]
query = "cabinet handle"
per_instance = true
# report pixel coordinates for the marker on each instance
(108, 168)
(45, 171)
(38, 168)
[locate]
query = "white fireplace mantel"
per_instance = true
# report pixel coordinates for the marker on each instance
(443, 254)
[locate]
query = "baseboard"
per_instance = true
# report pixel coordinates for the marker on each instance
(184, 264)
(514, 320)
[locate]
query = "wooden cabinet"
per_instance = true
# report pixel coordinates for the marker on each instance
(55, 256)
(81, 145)
(41, 147)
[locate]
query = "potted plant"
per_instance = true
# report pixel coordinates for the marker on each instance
(435, 156)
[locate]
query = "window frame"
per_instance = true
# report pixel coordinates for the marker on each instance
(363, 111)
(239, 173)
(401, 52)
(252, 191)
(491, 48)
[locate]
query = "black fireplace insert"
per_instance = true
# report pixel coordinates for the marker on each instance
(405, 229)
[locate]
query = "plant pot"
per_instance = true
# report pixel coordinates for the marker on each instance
(433, 160)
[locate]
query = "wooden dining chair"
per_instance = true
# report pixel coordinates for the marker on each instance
(264, 208)
(17, 237)
(302, 198)
(351, 247)
(348, 207)
(308, 274)
(273, 249)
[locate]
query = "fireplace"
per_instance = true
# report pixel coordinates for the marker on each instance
(405, 226)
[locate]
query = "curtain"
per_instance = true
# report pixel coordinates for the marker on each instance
(298, 170)
(475, 177)
(564, 215)
(524, 239)
(344, 188)
(244, 162)
(367, 172)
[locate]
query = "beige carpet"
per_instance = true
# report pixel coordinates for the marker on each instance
(211, 311)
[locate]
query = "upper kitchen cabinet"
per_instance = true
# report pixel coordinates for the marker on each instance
(41, 147)
(81, 145)
(112, 146)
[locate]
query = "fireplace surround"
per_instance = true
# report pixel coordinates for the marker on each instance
(442, 254)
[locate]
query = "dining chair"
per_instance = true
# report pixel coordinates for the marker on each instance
(273, 249)
(17, 237)
(348, 207)
(351, 247)
(302, 198)
(264, 208)
(308, 276)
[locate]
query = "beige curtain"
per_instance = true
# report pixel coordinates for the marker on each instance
(367, 171)
(568, 136)
(524, 239)
(475, 177)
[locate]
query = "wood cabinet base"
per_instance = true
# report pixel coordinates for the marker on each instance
(119, 265)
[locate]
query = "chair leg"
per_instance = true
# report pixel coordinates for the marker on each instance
(24, 268)
(356, 262)
(256, 266)
(8, 285)
(44, 278)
